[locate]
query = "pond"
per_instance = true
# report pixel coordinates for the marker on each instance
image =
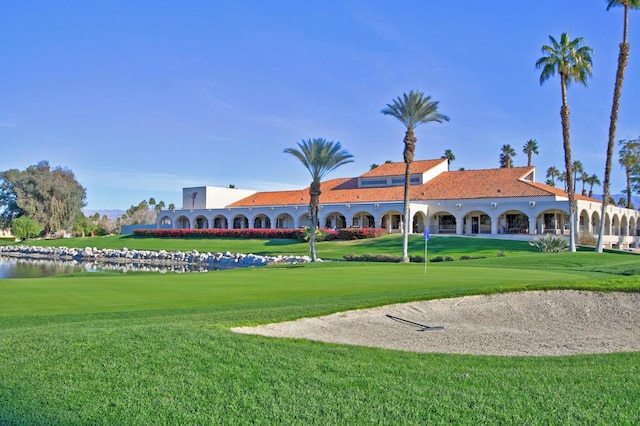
(11, 267)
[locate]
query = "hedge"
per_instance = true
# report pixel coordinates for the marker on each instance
(265, 233)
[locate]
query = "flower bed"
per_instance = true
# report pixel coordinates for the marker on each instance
(260, 233)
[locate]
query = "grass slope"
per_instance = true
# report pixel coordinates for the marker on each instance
(156, 349)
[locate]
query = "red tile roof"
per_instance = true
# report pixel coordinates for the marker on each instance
(395, 169)
(464, 184)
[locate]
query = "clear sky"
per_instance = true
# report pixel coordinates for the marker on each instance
(142, 98)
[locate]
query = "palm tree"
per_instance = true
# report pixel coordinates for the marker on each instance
(593, 180)
(563, 178)
(572, 60)
(448, 154)
(320, 157)
(577, 168)
(412, 110)
(152, 202)
(171, 206)
(584, 176)
(506, 156)
(629, 161)
(530, 148)
(160, 206)
(552, 174)
(623, 57)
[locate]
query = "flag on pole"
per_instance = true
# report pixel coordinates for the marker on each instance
(426, 238)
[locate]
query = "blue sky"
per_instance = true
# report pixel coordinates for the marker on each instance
(142, 98)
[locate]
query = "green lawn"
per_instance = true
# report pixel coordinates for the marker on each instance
(387, 244)
(156, 349)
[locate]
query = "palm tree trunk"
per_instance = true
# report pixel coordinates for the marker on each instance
(314, 192)
(623, 57)
(628, 176)
(566, 140)
(409, 151)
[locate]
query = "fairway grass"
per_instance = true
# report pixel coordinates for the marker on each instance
(156, 349)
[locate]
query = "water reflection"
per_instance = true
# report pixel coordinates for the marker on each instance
(11, 267)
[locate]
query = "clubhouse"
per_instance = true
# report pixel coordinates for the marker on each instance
(496, 202)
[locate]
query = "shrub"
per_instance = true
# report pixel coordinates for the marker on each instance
(322, 234)
(587, 239)
(25, 227)
(441, 259)
(367, 257)
(550, 243)
(465, 257)
(359, 233)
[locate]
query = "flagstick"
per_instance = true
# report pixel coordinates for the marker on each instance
(425, 256)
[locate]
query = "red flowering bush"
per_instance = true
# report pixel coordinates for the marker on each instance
(322, 234)
(359, 233)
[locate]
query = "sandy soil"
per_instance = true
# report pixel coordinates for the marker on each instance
(532, 323)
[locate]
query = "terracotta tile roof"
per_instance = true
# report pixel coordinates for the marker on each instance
(561, 192)
(464, 184)
(395, 169)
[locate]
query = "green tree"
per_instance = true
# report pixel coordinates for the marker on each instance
(171, 206)
(578, 168)
(591, 181)
(623, 58)
(448, 154)
(25, 227)
(160, 206)
(552, 174)
(629, 160)
(506, 156)
(374, 166)
(571, 59)
(51, 196)
(530, 147)
(319, 157)
(584, 177)
(411, 110)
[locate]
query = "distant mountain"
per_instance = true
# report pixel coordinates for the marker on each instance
(635, 200)
(111, 214)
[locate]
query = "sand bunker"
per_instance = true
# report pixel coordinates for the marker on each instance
(525, 323)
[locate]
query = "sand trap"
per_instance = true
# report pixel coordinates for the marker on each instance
(525, 323)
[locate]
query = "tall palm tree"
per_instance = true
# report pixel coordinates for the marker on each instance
(629, 161)
(577, 169)
(623, 57)
(562, 177)
(591, 181)
(530, 147)
(411, 109)
(171, 206)
(160, 206)
(584, 177)
(152, 202)
(320, 157)
(448, 154)
(552, 174)
(572, 60)
(506, 156)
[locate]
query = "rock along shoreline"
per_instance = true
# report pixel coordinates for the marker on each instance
(152, 257)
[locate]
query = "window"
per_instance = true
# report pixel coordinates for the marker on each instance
(374, 182)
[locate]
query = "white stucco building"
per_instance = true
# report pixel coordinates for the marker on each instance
(496, 202)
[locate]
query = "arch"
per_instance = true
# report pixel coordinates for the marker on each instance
(334, 220)
(514, 222)
(261, 221)
(240, 221)
(363, 219)
(477, 222)
(554, 221)
(584, 222)
(595, 222)
(305, 220)
(624, 226)
(419, 223)
(201, 222)
(183, 222)
(632, 227)
(391, 220)
(615, 225)
(607, 224)
(165, 222)
(444, 222)
(220, 222)
(284, 221)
